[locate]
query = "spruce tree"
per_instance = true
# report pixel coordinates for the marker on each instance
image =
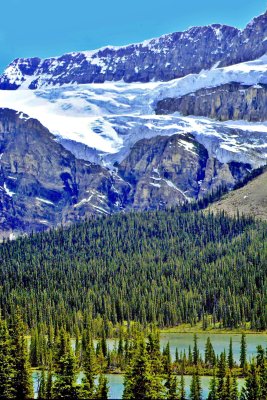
(182, 395)
(139, 381)
(64, 386)
(195, 387)
(234, 391)
(261, 362)
(22, 379)
(195, 351)
(42, 386)
(252, 390)
(230, 358)
(87, 390)
(243, 352)
(213, 392)
(102, 388)
(6, 363)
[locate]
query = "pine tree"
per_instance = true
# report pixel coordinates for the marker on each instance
(64, 386)
(195, 351)
(22, 380)
(230, 358)
(87, 390)
(234, 391)
(221, 374)
(243, 352)
(42, 386)
(153, 350)
(182, 395)
(167, 359)
(6, 363)
(195, 387)
(213, 393)
(102, 389)
(171, 387)
(139, 382)
(262, 370)
(252, 390)
(210, 358)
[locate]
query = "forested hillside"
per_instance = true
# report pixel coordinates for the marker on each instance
(166, 267)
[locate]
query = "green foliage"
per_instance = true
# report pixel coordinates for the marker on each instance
(140, 382)
(195, 387)
(243, 352)
(7, 372)
(22, 379)
(168, 267)
(64, 386)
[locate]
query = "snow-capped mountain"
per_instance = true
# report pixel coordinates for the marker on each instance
(101, 122)
(162, 59)
(156, 124)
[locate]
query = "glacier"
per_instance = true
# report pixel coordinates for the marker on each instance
(100, 122)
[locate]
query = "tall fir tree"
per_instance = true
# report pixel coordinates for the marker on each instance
(230, 358)
(102, 388)
(6, 363)
(139, 381)
(243, 353)
(65, 386)
(22, 380)
(195, 387)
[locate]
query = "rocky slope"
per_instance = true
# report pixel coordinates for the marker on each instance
(166, 171)
(168, 57)
(44, 185)
(232, 101)
(248, 200)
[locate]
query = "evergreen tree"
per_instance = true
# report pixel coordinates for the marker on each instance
(210, 358)
(42, 386)
(171, 387)
(221, 374)
(230, 358)
(243, 352)
(252, 390)
(262, 370)
(213, 393)
(153, 350)
(6, 363)
(64, 386)
(182, 395)
(139, 382)
(234, 391)
(195, 351)
(102, 389)
(22, 379)
(195, 387)
(87, 390)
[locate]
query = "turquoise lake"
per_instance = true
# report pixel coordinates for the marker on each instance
(182, 342)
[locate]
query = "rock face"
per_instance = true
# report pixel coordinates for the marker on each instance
(42, 184)
(226, 102)
(165, 171)
(162, 59)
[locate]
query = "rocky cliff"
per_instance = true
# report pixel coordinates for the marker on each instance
(165, 171)
(43, 185)
(232, 101)
(162, 59)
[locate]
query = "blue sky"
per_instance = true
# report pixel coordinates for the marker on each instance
(29, 28)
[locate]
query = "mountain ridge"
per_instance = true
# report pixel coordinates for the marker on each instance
(161, 59)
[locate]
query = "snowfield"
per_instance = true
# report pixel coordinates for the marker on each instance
(101, 122)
